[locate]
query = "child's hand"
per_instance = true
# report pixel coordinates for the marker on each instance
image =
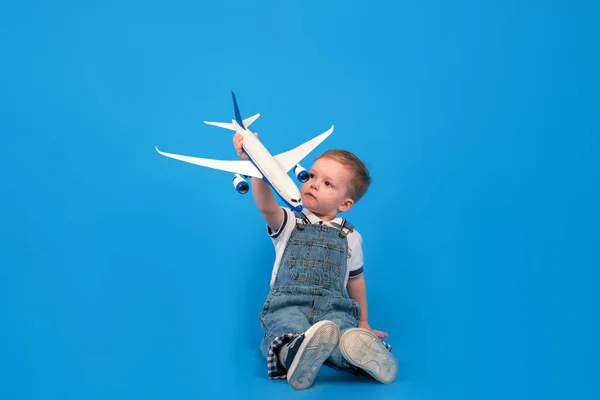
(379, 334)
(238, 141)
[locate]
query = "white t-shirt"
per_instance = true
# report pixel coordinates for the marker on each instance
(280, 237)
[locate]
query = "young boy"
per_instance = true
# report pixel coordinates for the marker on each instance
(308, 317)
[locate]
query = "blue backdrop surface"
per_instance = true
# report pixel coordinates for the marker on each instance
(128, 275)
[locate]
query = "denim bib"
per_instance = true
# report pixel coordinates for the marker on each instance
(315, 259)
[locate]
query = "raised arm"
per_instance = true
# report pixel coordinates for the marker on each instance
(262, 193)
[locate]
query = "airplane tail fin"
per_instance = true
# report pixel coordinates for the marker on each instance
(238, 118)
(250, 120)
(229, 125)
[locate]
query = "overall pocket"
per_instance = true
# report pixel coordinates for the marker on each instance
(316, 262)
(265, 308)
(355, 310)
(314, 272)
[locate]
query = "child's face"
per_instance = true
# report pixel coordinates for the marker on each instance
(326, 192)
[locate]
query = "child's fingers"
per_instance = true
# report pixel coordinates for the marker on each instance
(237, 142)
(381, 334)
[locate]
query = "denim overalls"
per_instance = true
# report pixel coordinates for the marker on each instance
(308, 288)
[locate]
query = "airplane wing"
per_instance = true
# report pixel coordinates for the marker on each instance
(241, 167)
(290, 158)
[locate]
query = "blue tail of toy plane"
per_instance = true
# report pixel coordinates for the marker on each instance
(238, 117)
(243, 123)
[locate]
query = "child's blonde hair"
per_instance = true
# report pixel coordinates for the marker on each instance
(361, 177)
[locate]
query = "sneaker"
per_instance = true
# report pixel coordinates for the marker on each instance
(307, 352)
(363, 349)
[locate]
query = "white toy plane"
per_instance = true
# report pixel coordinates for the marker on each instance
(261, 164)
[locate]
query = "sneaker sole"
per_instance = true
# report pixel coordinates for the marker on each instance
(319, 342)
(364, 350)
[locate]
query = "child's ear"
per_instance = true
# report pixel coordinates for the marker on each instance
(346, 205)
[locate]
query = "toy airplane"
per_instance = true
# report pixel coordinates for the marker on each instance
(261, 164)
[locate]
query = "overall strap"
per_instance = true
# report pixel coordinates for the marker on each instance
(301, 220)
(345, 227)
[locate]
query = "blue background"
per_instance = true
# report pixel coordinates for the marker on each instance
(126, 275)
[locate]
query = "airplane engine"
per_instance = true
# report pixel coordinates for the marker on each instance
(301, 173)
(240, 184)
